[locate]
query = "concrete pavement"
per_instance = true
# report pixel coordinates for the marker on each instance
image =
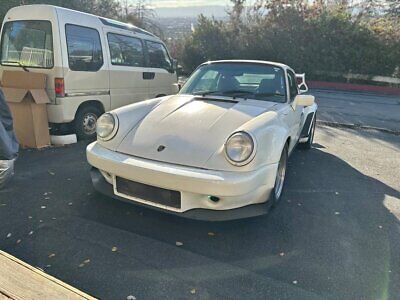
(360, 109)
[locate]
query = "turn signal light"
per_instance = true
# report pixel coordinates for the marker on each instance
(59, 87)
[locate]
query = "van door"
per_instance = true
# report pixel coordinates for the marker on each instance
(85, 74)
(127, 82)
(161, 76)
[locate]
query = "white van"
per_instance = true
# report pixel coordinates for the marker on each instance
(92, 64)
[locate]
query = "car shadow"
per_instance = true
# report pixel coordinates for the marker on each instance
(332, 231)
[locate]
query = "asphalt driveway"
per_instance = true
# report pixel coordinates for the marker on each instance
(336, 233)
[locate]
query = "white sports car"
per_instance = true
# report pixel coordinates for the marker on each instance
(218, 150)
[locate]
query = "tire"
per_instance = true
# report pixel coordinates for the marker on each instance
(277, 192)
(308, 144)
(85, 122)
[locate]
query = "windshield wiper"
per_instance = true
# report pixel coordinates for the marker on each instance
(268, 94)
(232, 93)
(235, 93)
(205, 93)
(17, 63)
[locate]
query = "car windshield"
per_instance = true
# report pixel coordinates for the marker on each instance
(244, 80)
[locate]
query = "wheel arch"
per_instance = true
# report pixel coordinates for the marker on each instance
(95, 103)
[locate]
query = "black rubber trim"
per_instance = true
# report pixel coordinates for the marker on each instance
(103, 187)
(307, 126)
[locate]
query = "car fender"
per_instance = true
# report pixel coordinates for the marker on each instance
(309, 116)
(270, 134)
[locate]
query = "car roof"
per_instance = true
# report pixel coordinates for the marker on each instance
(270, 63)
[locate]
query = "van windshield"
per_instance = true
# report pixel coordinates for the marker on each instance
(28, 44)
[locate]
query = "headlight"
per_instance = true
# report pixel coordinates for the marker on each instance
(239, 148)
(106, 126)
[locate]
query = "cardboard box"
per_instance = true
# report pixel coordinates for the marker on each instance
(27, 98)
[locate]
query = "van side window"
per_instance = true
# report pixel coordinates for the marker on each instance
(84, 48)
(158, 56)
(125, 50)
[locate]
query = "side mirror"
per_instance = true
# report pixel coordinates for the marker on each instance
(301, 83)
(304, 100)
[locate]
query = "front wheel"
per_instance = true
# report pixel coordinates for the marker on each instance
(276, 193)
(85, 122)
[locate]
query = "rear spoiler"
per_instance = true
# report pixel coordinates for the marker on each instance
(301, 83)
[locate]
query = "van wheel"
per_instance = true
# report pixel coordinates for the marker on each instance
(85, 122)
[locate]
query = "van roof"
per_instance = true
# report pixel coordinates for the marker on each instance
(104, 21)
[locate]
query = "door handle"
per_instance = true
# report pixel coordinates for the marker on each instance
(149, 75)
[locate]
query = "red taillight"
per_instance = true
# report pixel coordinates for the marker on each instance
(59, 87)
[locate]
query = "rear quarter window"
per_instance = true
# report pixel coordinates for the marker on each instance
(84, 48)
(158, 56)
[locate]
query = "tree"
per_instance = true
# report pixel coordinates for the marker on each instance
(104, 8)
(140, 15)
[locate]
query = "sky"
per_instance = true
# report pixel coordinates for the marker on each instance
(180, 3)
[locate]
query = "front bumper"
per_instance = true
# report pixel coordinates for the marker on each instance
(236, 190)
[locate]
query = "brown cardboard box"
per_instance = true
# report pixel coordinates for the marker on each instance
(26, 96)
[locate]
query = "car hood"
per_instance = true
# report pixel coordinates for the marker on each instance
(187, 130)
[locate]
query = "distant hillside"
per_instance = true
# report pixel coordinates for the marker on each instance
(218, 11)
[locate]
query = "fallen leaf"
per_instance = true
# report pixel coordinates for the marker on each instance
(52, 255)
(193, 291)
(9, 235)
(211, 234)
(179, 244)
(114, 249)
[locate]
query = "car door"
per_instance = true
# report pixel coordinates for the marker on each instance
(292, 114)
(161, 77)
(127, 69)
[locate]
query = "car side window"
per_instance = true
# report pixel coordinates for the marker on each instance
(292, 85)
(84, 48)
(125, 50)
(158, 56)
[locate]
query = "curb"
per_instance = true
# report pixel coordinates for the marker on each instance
(343, 86)
(357, 126)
